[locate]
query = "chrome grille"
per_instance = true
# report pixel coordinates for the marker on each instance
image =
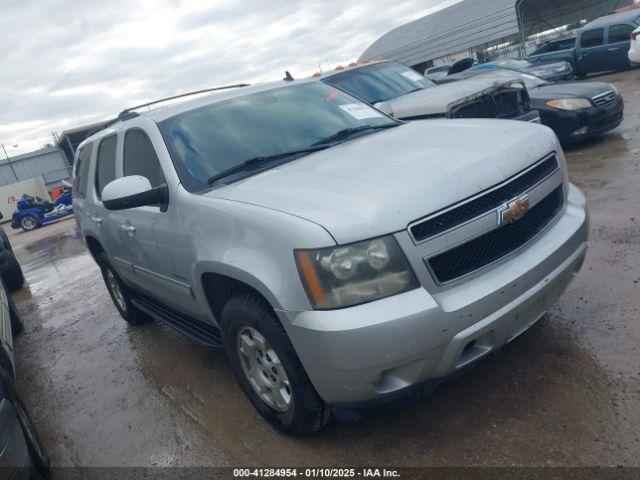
(492, 246)
(488, 200)
(604, 100)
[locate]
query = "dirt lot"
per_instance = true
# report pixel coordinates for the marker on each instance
(565, 393)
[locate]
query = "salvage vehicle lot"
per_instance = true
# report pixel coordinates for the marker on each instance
(565, 393)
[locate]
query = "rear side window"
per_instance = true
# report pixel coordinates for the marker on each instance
(106, 160)
(140, 157)
(81, 170)
(620, 33)
(592, 38)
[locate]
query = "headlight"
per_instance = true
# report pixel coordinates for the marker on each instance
(348, 275)
(570, 103)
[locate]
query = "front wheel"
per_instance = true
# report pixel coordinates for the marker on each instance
(29, 222)
(17, 325)
(268, 368)
(37, 453)
(13, 278)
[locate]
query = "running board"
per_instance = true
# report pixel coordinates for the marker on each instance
(195, 329)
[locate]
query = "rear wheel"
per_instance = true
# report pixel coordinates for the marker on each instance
(268, 368)
(120, 294)
(29, 222)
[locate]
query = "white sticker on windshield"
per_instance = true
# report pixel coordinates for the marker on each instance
(360, 111)
(411, 75)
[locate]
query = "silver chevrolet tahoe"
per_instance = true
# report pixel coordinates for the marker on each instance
(340, 256)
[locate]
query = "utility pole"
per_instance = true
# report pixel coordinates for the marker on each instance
(9, 160)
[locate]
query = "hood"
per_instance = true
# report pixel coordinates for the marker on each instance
(438, 100)
(379, 183)
(569, 90)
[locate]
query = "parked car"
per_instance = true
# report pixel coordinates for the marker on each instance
(21, 451)
(574, 110)
(339, 255)
(601, 45)
(436, 72)
(552, 71)
(405, 94)
(10, 269)
(634, 48)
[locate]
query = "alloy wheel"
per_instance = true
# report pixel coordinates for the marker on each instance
(263, 369)
(28, 223)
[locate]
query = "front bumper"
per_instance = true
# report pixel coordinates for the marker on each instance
(580, 125)
(375, 350)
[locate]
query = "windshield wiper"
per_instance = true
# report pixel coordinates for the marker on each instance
(255, 162)
(345, 133)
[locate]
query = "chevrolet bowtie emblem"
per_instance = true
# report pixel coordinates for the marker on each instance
(514, 210)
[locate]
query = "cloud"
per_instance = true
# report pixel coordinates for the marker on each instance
(71, 62)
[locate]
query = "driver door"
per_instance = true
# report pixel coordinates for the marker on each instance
(146, 229)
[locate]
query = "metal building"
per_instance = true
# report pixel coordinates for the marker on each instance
(70, 139)
(50, 163)
(472, 23)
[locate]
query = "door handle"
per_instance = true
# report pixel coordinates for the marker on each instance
(128, 228)
(96, 220)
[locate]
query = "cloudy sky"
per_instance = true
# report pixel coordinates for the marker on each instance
(66, 63)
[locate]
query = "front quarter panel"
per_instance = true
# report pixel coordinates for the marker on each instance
(249, 243)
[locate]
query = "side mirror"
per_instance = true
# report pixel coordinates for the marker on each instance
(134, 191)
(1, 216)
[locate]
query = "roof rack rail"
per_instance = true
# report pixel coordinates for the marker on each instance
(129, 113)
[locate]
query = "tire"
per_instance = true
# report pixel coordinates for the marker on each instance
(37, 453)
(297, 408)
(13, 278)
(29, 222)
(120, 294)
(17, 325)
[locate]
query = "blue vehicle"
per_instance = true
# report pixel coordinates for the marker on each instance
(599, 46)
(33, 212)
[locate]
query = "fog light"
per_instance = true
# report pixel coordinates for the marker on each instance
(580, 131)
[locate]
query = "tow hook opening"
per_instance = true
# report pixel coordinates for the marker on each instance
(476, 348)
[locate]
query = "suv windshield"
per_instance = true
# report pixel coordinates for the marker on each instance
(380, 82)
(222, 136)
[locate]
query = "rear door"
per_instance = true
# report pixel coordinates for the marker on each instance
(618, 44)
(592, 52)
(112, 236)
(80, 184)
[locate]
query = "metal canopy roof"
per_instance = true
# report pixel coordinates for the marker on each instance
(470, 23)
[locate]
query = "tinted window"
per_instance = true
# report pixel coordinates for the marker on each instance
(566, 44)
(81, 171)
(592, 38)
(620, 33)
(106, 163)
(223, 135)
(380, 82)
(140, 157)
